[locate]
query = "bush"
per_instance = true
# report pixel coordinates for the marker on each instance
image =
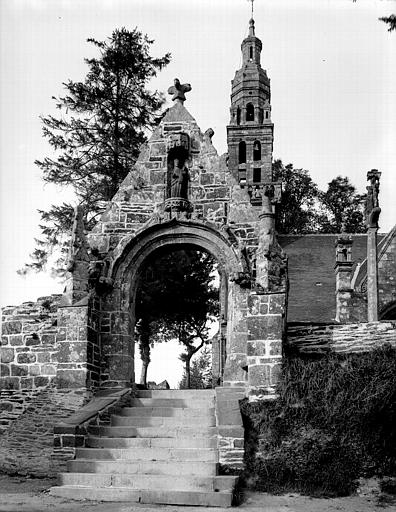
(334, 422)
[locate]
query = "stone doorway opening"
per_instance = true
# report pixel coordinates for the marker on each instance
(118, 306)
(180, 313)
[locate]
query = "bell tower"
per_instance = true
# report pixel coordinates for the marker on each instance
(250, 132)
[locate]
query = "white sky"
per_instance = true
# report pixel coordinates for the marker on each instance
(332, 70)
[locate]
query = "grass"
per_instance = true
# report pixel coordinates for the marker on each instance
(334, 421)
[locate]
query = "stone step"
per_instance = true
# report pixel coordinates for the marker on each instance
(169, 412)
(173, 402)
(149, 481)
(185, 394)
(164, 497)
(158, 431)
(162, 421)
(143, 467)
(152, 442)
(153, 453)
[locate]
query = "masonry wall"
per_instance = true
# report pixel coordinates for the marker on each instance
(43, 378)
(317, 339)
(28, 354)
(26, 446)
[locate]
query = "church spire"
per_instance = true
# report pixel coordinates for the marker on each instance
(250, 132)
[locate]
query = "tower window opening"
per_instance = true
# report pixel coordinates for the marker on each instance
(251, 52)
(249, 112)
(261, 116)
(256, 150)
(238, 116)
(257, 175)
(266, 114)
(242, 152)
(242, 177)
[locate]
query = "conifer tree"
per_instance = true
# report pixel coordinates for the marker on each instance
(101, 125)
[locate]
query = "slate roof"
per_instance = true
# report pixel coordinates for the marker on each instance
(311, 274)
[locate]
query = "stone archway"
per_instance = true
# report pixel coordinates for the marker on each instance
(118, 306)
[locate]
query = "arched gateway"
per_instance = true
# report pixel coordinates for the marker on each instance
(182, 193)
(125, 274)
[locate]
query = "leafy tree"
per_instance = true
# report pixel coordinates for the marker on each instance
(201, 371)
(176, 299)
(97, 136)
(342, 208)
(296, 211)
(306, 209)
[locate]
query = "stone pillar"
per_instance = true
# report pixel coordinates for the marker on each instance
(118, 349)
(235, 366)
(72, 345)
(266, 326)
(267, 304)
(372, 212)
(343, 269)
(372, 275)
(77, 277)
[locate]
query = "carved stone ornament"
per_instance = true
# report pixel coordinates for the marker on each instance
(97, 281)
(178, 140)
(78, 246)
(178, 91)
(178, 204)
(343, 245)
(372, 210)
(272, 190)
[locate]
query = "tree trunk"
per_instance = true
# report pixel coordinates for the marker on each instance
(143, 374)
(144, 356)
(188, 373)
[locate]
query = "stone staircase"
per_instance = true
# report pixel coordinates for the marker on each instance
(163, 449)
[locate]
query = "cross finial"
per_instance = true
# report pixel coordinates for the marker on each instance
(252, 2)
(177, 90)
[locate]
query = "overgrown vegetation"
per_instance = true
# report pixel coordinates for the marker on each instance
(334, 421)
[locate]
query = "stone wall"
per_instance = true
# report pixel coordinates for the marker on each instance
(28, 354)
(27, 445)
(318, 339)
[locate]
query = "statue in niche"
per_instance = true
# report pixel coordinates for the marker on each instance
(179, 179)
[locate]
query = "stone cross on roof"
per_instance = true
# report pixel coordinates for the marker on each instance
(178, 91)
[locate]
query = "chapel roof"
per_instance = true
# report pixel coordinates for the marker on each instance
(312, 276)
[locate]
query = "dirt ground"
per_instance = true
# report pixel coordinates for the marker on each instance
(19, 494)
